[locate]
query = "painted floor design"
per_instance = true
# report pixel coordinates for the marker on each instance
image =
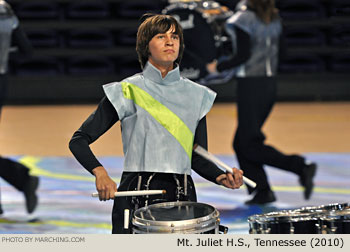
(65, 204)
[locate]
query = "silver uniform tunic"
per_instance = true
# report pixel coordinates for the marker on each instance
(158, 118)
(264, 43)
(8, 22)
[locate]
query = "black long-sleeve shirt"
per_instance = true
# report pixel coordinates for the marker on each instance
(105, 116)
(20, 40)
(243, 51)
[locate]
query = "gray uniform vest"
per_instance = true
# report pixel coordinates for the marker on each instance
(8, 23)
(264, 43)
(158, 118)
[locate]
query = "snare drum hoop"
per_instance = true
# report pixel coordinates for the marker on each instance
(324, 208)
(208, 221)
(286, 216)
(193, 229)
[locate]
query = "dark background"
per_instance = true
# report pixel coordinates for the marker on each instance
(81, 45)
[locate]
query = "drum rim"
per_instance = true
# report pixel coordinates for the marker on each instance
(282, 217)
(324, 208)
(212, 217)
(189, 229)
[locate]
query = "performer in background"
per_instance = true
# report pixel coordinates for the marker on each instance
(13, 172)
(162, 116)
(257, 28)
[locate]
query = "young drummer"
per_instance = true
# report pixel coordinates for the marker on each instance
(162, 116)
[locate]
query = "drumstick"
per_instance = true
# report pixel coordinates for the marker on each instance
(204, 153)
(134, 193)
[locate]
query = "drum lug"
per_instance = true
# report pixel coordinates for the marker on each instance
(329, 230)
(319, 228)
(252, 231)
(223, 229)
(264, 231)
(292, 230)
(333, 230)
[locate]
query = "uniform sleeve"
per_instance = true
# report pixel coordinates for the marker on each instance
(207, 101)
(21, 41)
(114, 93)
(200, 165)
(102, 119)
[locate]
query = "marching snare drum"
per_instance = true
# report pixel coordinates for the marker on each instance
(331, 218)
(176, 217)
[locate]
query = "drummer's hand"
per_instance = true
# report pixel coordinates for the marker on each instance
(229, 180)
(105, 186)
(211, 67)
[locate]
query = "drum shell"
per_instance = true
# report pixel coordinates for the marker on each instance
(201, 225)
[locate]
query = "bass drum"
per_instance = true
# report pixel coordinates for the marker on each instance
(176, 217)
(204, 35)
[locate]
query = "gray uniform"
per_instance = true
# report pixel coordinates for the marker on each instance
(159, 117)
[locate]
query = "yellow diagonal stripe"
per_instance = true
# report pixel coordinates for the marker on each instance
(168, 119)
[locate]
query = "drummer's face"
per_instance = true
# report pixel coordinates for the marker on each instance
(164, 48)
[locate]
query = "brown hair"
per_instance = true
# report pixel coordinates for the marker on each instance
(151, 25)
(265, 9)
